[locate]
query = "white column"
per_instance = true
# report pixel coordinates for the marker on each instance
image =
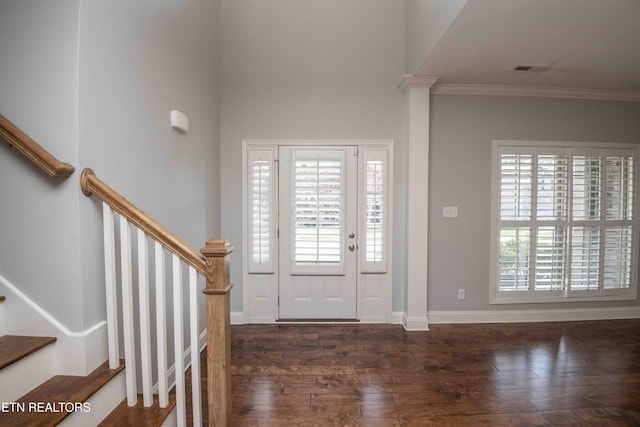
(416, 91)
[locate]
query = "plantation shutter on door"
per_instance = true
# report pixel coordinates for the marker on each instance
(318, 204)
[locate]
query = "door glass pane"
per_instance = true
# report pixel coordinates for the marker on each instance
(318, 209)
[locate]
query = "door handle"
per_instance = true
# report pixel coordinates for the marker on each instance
(352, 248)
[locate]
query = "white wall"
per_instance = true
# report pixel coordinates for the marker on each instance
(138, 61)
(306, 69)
(39, 245)
(426, 22)
(462, 128)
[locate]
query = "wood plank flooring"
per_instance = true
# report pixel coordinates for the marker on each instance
(570, 373)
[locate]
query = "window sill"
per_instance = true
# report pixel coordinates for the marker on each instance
(545, 300)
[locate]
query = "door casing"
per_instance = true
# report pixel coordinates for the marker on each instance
(260, 290)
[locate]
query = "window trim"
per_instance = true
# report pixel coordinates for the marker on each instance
(527, 297)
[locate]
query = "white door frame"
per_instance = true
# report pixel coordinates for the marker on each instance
(317, 291)
(260, 286)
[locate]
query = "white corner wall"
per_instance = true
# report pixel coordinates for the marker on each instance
(307, 69)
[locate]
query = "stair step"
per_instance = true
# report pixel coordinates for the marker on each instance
(138, 415)
(14, 347)
(60, 388)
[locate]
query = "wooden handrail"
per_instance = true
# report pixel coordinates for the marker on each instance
(34, 151)
(92, 185)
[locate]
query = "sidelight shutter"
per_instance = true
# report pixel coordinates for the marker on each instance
(374, 207)
(261, 211)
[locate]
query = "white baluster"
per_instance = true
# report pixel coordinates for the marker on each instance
(178, 334)
(161, 326)
(145, 319)
(110, 285)
(195, 347)
(127, 312)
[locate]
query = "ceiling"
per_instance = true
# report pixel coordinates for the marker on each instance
(582, 44)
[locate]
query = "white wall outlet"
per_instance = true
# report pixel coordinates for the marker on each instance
(450, 212)
(460, 293)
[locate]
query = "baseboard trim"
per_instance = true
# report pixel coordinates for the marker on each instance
(519, 316)
(237, 318)
(396, 317)
(414, 324)
(77, 353)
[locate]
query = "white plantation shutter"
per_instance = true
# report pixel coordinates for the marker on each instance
(261, 179)
(515, 185)
(318, 204)
(374, 210)
(564, 222)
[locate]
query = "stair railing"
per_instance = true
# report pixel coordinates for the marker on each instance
(212, 263)
(38, 155)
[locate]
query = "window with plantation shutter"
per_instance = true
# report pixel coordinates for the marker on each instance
(374, 210)
(261, 211)
(563, 222)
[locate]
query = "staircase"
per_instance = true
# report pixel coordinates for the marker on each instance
(30, 395)
(31, 392)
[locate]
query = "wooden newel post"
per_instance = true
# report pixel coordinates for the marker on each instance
(216, 253)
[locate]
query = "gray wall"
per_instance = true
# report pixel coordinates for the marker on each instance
(308, 69)
(94, 82)
(138, 61)
(462, 128)
(39, 245)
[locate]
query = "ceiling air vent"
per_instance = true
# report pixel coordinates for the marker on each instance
(530, 68)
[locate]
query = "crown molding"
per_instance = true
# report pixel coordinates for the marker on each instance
(410, 81)
(544, 92)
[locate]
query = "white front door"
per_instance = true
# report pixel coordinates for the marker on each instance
(317, 226)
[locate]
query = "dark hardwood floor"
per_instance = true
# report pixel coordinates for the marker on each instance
(578, 373)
